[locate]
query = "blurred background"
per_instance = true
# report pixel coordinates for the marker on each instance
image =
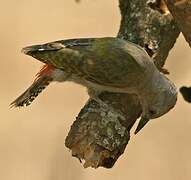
(32, 138)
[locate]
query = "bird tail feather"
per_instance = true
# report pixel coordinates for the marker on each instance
(42, 80)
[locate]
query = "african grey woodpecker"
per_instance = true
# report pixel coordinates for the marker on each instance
(103, 64)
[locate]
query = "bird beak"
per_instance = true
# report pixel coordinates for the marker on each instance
(141, 124)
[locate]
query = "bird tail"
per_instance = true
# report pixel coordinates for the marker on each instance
(43, 79)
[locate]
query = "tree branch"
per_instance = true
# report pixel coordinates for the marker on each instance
(99, 135)
(181, 11)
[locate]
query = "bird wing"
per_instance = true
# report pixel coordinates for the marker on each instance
(57, 45)
(99, 60)
(59, 53)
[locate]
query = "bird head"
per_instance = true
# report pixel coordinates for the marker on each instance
(157, 104)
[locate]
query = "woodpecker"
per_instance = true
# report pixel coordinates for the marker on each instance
(103, 64)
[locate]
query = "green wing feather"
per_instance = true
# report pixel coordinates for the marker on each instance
(104, 60)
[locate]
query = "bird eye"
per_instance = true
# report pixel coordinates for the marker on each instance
(152, 112)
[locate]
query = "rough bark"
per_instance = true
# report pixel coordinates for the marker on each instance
(181, 11)
(100, 135)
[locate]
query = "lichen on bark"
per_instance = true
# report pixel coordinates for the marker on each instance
(99, 135)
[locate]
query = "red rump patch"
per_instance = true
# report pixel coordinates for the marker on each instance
(46, 70)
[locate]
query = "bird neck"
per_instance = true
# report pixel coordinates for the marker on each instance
(149, 83)
(152, 87)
